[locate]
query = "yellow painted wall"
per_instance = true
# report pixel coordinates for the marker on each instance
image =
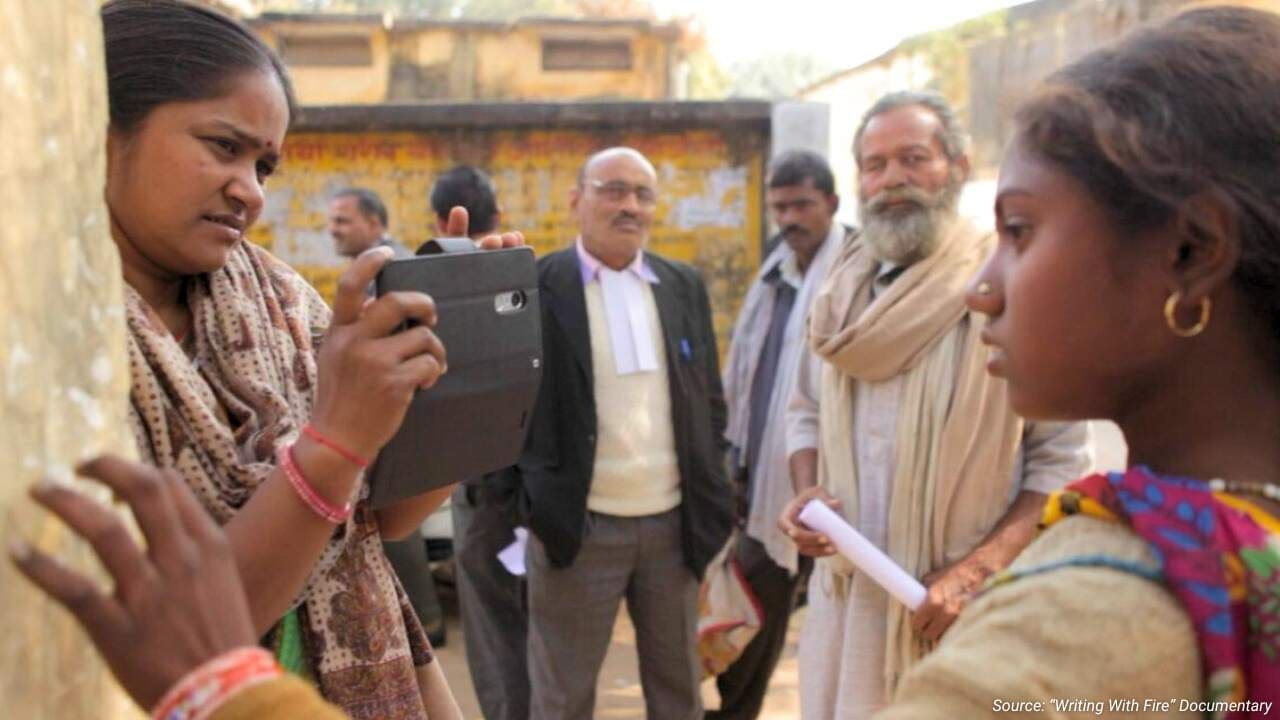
(63, 374)
(430, 46)
(327, 85)
(509, 66)
(484, 63)
(709, 213)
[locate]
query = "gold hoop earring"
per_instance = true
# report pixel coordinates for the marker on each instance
(1171, 317)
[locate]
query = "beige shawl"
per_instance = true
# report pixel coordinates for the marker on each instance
(217, 419)
(957, 435)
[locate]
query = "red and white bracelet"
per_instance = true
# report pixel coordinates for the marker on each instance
(312, 499)
(203, 690)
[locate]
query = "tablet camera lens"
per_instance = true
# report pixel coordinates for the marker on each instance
(509, 302)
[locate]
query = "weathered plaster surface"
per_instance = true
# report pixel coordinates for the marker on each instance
(63, 381)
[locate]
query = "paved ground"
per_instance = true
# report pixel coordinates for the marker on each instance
(619, 695)
(619, 686)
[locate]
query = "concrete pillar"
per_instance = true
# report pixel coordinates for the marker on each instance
(63, 375)
(800, 126)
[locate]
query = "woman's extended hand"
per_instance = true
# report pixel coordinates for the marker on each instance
(367, 374)
(175, 606)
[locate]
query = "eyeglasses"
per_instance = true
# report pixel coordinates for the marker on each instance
(617, 191)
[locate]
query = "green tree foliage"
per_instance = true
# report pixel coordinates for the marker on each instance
(775, 75)
(707, 79)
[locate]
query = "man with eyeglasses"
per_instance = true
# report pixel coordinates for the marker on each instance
(622, 468)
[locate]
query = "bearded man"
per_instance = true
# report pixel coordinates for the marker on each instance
(897, 424)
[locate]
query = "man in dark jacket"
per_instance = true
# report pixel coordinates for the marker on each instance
(623, 467)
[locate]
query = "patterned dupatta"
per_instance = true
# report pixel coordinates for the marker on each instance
(216, 417)
(1218, 554)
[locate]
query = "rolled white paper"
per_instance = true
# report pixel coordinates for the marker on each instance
(866, 556)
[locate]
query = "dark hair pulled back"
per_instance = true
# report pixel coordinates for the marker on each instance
(163, 51)
(1186, 109)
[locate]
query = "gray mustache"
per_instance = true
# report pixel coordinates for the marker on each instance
(910, 194)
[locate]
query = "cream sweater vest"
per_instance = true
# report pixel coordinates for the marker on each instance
(635, 469)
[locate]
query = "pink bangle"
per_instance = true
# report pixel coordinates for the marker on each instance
(312, 499)
(203, 690)
(346, 454)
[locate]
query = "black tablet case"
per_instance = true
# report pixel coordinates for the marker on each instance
(474, 419)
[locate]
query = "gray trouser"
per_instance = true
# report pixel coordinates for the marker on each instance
(495, 624)
(572, 612)
(409, 559)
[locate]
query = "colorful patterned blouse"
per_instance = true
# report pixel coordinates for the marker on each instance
(1218, 554)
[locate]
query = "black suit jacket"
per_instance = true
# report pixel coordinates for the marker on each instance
(557, 464)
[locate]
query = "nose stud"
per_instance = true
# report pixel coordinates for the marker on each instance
(984, 288)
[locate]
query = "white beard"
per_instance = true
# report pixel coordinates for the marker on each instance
(908, 239)
(905, 237)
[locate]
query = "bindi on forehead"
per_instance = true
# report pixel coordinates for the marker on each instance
(266, 146)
